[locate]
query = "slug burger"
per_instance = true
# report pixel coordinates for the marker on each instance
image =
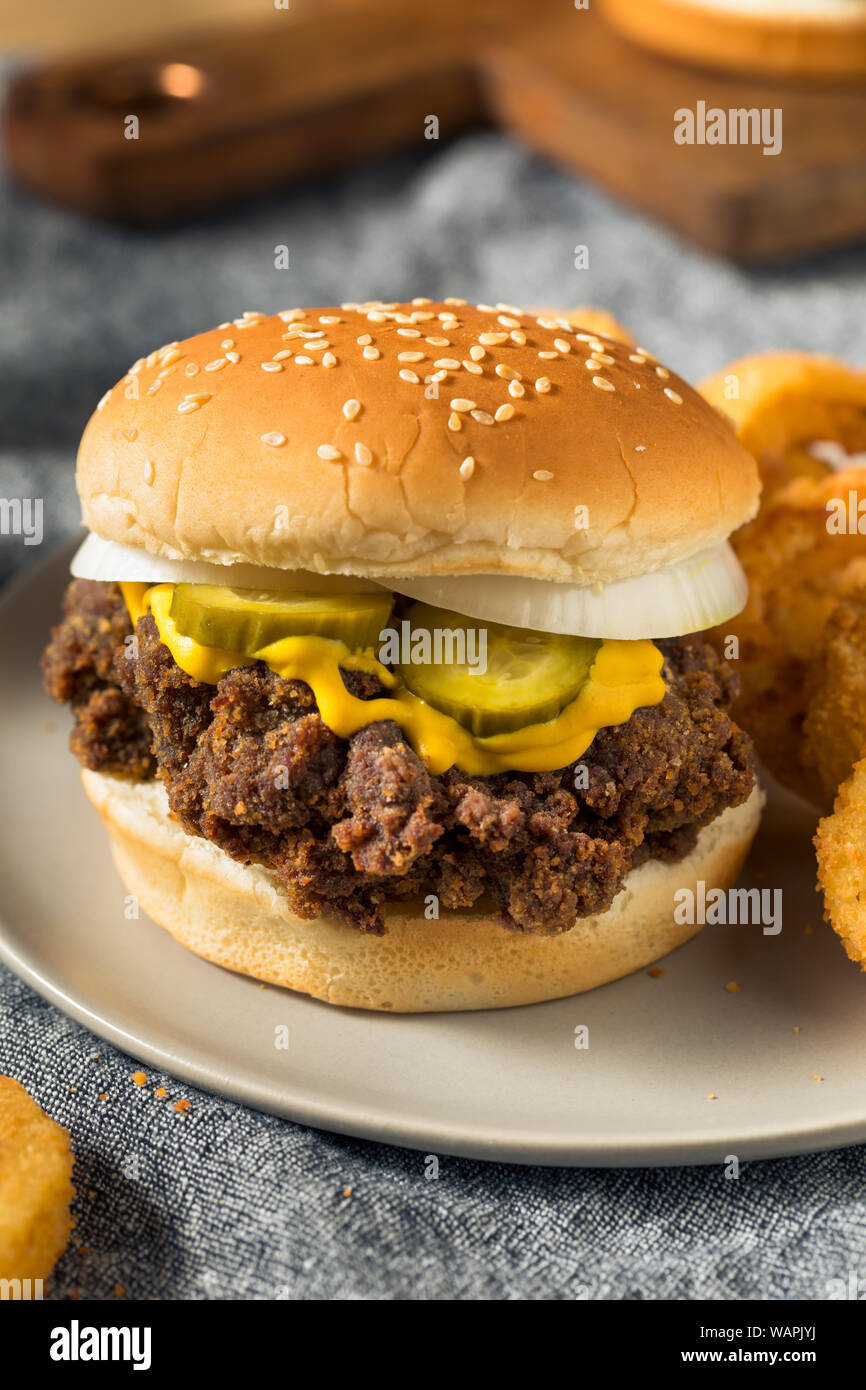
(381, 650)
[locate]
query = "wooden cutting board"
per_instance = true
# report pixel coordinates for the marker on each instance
(323, 85)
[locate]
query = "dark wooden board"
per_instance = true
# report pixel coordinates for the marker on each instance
(325, 85)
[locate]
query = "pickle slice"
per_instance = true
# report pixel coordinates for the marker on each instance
(529, 676)
(246, 620)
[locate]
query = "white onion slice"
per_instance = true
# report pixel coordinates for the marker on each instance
(686, 597)
(109, 560)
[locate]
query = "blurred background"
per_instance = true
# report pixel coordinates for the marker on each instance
(479, 214)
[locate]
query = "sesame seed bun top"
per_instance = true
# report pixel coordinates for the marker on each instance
(409, 439)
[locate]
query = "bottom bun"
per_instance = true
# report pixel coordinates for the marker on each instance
(235, 916)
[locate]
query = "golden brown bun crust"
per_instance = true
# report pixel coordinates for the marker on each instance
(661, 475)
(590, 319)
(35, 1186)
(796, 44)
(234, 916)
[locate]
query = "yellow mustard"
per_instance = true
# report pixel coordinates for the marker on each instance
(624, 677)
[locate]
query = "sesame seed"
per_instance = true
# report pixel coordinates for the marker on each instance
(407, 375)
(436, 342)
(491, 339)
(603, 384)
(508, 322)
(351, 408)
(364, 339)
(437, 376)
(420, 300)
(327, 451)
(305, 361)
(291, 315)
(673, 396)
(329, 360)
(421, 318)
(582, 337)
(329, 318)
(452, 299)
(473, 367)
(663, 373)
(592, 363)
(167, 358)
(136, 367)
(104, 401)
(507, 372)
(233, 356)
(311, 333)
(477, 353)
(410, 357)
(191, 369)
(482, 416)
(282, 354)
(596, 345)
(636, 357)
(606, 358)
(371, 353)
(467, 467)
(517, 389)
(460, 403)
(542, 384)
(408, 333)
(449, 363)
(272, 366)
(186, 407)
(169, 371)
(216, 365)
(518, 337)
(552, 323)
(561, 345)
(363, 455)
(149, 472)
(454, 422)
(543, 475)
(640, 448)
(376, 316)
(154, 387)
(547, 355)
(504, 412)
(274, 438)
(317, 347)
(486, 308)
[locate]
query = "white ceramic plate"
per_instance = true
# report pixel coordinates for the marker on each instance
(507, 1085)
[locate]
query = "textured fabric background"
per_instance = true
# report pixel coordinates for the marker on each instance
(221, 1202)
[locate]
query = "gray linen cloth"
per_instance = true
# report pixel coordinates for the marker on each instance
(226, 1203)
